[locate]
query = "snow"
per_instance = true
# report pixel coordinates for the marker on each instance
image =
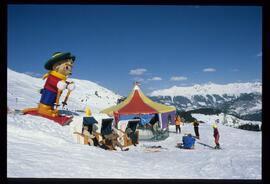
(39, 148)
(257, 106)
(228, 120)
(202, 103)
(231, 89)
(23, 92)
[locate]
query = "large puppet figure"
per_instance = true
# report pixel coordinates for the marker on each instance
(60, 67)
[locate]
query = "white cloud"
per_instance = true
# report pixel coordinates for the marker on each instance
(155, 79)
(259, 54)
(138, 71)
(209, 70)
(178, 78)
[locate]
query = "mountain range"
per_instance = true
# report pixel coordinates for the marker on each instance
(243, 100)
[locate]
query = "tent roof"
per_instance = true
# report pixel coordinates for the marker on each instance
(138, 103)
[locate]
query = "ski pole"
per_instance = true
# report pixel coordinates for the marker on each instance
(59, 92)
(68, 93)
(66, 98)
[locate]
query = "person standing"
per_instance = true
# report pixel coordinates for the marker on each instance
(177, 124)
(216, 136)
(196, 128)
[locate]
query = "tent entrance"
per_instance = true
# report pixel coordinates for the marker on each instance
(153, 131)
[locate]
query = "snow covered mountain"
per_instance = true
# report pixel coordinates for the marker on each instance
(23, 92)
(243, 100)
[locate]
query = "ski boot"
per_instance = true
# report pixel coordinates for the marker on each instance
(217, 146)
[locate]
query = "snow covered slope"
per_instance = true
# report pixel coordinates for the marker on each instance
(38, 148)
(23, 92)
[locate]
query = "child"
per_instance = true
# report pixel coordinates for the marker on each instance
(216, 136)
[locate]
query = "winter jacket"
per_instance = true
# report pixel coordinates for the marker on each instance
(177, 120)
(49, 92)
(188, 141)
(195, 123)
(216, 135)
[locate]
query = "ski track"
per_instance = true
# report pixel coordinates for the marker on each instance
(37, 147)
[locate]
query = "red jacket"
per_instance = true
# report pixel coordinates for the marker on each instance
(216, 135)
(51, 83)
(52, 79)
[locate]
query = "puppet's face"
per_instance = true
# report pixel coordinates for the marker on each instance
(64, 67)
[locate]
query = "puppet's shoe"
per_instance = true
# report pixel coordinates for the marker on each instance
(47, 110)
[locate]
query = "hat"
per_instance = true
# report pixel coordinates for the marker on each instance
(58, 56)
(214, 125)
(88, 112)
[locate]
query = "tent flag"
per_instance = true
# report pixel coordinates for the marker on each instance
(145, 118)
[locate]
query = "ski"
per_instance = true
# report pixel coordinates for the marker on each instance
(206, 145)
(154, 147)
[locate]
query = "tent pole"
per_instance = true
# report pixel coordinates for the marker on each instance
(160, 120)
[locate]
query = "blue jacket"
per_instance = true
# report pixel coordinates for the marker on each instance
(188, 141)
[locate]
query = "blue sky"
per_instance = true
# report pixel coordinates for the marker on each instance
(161, 46)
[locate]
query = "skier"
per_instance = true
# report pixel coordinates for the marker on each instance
(177, 124)
(216, 136)
(196, 128)
(60, 67)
